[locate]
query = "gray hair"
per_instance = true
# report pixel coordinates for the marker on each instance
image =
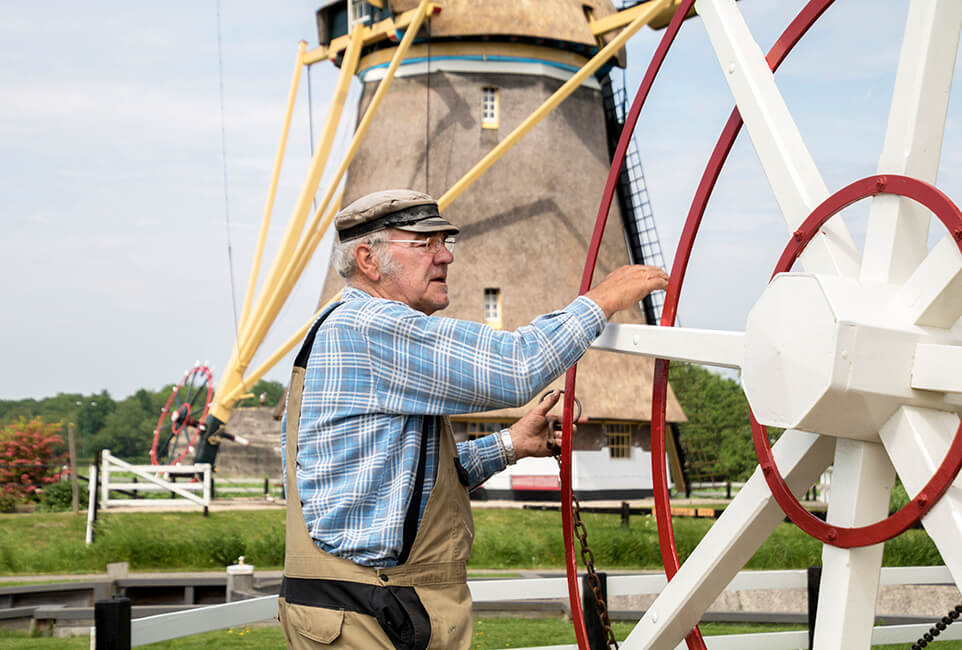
(343, 255)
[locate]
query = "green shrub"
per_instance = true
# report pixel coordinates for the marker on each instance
(58, 497)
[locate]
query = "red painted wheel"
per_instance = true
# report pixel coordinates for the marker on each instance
(795, 31)
(182, 417)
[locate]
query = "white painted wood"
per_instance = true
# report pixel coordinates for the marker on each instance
(710, 347)
(932, 296)
(163, 627)
(91, 504)
(916, 575)
(768, 641)
(795, 180)
(747, 522)
(850, 577)
(916, 440)
(936, 367)
(487, 591)
(148, 473)
(898, 228)
(910, 633)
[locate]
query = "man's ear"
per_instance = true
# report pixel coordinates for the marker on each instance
(366, 263)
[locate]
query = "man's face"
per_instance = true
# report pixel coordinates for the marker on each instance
(419, 278)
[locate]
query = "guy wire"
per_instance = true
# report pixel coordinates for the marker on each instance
(223, 144)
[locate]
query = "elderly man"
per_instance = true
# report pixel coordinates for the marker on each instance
(379, 525)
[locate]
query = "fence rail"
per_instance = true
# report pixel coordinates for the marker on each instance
(153, 474)
(164, 627)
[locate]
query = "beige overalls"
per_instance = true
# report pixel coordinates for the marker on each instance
(330, 602)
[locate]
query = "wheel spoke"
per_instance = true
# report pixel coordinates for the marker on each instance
(936, 367)
(898, 228)
(747, 522)
(916, 440)
(795, 180)
(710, 347)
(932, 295)
(862, 480)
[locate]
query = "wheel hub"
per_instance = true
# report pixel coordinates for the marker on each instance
(827, 355)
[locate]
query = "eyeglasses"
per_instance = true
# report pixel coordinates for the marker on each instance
(431, 245)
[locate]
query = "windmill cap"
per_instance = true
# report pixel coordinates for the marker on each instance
(402, 209)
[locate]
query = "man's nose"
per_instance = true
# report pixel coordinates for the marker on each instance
(444, 256)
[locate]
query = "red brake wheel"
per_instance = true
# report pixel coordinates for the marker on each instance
(799, 26)
(182, 417)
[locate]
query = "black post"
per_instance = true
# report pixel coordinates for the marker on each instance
(728, 490)
(267, 487)
(814, 578)
(625, 514)
(597, 639)
(112, 621)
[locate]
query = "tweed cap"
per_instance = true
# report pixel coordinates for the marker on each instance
(402, 209)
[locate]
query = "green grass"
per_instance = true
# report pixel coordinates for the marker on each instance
(508, 540)
(489, 633)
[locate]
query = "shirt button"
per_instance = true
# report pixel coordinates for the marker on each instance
(384, 577)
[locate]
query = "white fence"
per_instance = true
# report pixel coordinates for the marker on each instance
(206, 619)
(155, 482)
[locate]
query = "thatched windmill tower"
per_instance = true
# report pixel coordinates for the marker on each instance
(478, 70)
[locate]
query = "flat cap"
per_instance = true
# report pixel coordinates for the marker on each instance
(402, 209)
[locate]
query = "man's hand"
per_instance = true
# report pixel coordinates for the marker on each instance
(532, 432)
(626, 286)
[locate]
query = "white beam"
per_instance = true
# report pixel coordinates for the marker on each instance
(898, 228)
(163, 627)
(711, 347)
(936, 367)
(916, 440)
(862, 480)
(932, 295)
(795, 180)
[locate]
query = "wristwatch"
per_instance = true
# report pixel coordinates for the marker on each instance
(508, 445)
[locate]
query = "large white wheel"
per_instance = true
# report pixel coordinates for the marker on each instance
(854, 353)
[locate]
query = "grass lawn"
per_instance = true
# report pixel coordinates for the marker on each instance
(508, 540)
(489, 633)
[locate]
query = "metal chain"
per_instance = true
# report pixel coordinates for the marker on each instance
(588, 559)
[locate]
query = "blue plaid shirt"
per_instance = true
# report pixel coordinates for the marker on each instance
(377, 371)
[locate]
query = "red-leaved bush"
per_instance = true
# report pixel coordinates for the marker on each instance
(32, 454)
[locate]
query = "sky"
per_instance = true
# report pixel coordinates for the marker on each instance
(133, 189)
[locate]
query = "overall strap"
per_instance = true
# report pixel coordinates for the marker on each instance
(300, 361)
(414, 507)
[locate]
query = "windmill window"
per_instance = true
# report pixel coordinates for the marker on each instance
(489, 108)
(360, 12)
(619, 439)
(492, 308)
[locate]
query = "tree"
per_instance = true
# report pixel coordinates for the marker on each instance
(717, 437)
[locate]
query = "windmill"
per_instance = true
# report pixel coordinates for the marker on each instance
(471, 80)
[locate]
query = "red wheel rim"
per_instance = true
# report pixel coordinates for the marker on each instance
(909, 514)
(789, 38)
(567, 494)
